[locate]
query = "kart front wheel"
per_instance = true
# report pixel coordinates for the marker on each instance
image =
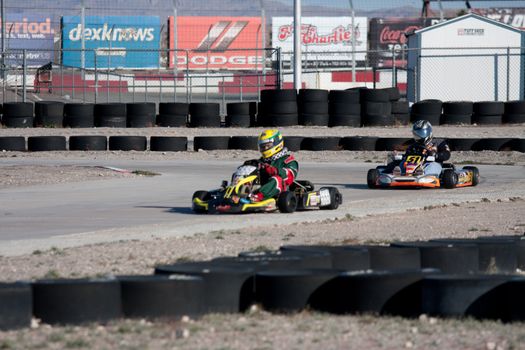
(449, 178)
(202, 195)
(371, 178)
(475, 174)
(287, 202)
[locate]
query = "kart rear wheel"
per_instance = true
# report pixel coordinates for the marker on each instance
(287, 202)
(475, 174)
(202, 196)
(371, 178)
(449, 178)
(335, 199)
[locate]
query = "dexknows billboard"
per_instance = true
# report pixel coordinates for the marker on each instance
(326, 40)
(116, 41)
(216, 42)
(388, 39)
(30, 32)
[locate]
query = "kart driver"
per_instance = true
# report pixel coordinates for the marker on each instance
(427, 145)
(278, 166)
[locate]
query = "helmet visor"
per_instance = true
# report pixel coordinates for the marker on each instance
(265, 145)
(422, 134)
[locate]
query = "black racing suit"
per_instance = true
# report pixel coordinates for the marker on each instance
(439, 148)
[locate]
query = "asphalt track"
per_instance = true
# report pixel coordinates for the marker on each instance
(72, 214)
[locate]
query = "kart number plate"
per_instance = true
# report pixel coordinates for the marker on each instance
(325, 197)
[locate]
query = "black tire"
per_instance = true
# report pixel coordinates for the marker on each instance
(493, 144)
(46, 143)
(289, 290)
(475, 174)
(162, 296)
(489, 108)
(293, 143)
(140, 121)
(284, 107)
(314, 107)
(13, 143)
(88, 143)
(371, 178)
(207, 121)
(434, 119)
(79, 121)
(487, 119)
(239, 121)
(210, 142)
(287, 202)
(278, 95)
(321, 144)
(513, 118)
(313, 95)
(79, 109)
(172, 120)
(284, 120)
(450, 119)
(449, 178)
(18, 122)
(400, 107)
(458, 107)
(110, 121)
(427, 107)
(127, 143)
(343, 258)
(141, 109)
(202, 195)
(174, 108)
(345, 108)
(401, 119)
(462, 144)
(393, 93)
(17, 109)
(344, 120)
(243, 143)
(76, 301)
(238, 108)
(110, 110)
(204, 109)
(168, 144)
(16, 305)
(300, 260)
(314, 119)
(49, 114)
(344, 96)
(515, 107)
(392, 143)
(359, 143)
(378, 120)
(377, 108)
(389, 258)
(518, 145)
(336, 198)
(375, 95)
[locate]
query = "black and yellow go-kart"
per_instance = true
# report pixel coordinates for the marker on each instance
(233, 197)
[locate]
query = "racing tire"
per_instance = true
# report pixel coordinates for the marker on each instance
(434, 119)
(140, 121)
(344, 96)
(475, 174)
(343, 257)
(13, 143)
(284, 119)
(393, 93)
(18, 122)
(344, 120)
(293, 143)
(487, 119)
(174, 108)
(243, 143)
(88, 143)
(287, 202)
(489, 108)
(110, 121)
(392, 143)
(455, 119)
(462, 144)
(238, 108)
(391, 258)
(278, 95)
(493, 144)
(49, 114)
(321, 144)
(371, 178)
(239, 120)
(458, 107)
(400, 107)
(313, 107)
(110, 110)
(449, 178)
(79, 121)
(427, 107)
(518, 145)
(378, 120)
(168, 144)
(285, 107)
(513, 118)
(17, 109)
(377, 108)
(375, 95)
(313, 95)
(205, 121)
(336, 198)
(202, 196)
(46, 143)
(210, 143)
(16, 304)
(515, 107)
(172, 120)
(359, 143)
(314, 119)
(127, 143)
(344, 108)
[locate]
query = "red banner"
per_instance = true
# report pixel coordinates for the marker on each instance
(216, 43)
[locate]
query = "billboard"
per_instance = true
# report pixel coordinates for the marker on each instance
(216, 42)
(112, 41)
(512, 16)
(325, 40)
(388, 42)
(30, 32)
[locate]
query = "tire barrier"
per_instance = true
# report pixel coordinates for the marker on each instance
(293, 143)
(385, 257)
(493, 144)
(70, 301)
(519, 243)
(400, 107)
(168, 144)
(240, 114)
(514, 112)
(427, 110)
(344, 96)
(393, 93)
(127, 143)
(161, 296)
(79, 115)
(392, 143)
(278, 108)
(12, 143)
(321, 144)
(343, 258)
(140, 115)
(376, 108)
(295, 259)
(173, 121)
(208, 143)
(18, 115)
(457, 112)
(205, 115)
(462, 144)
(359, 143)
(46, 143)
(88, 143)
(344, 108)
(16, 305)
(173, 114)
(110, 115)
(243, 142)
(313, 107)
(49, 114)
(18, 122)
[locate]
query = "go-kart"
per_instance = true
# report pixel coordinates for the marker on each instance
(234, 197)
(411, 174)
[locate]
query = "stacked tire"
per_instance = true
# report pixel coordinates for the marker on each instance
(240, 114)
(278, 108)
(205, 115)
(79, 115)
(514, 112)
(140, 115)
(313, 107)
(173, 114)
(376, 107)
(457, 113)
(18, 115)
(488, 113)
(429, 110)
(49, 114)
(344, 108)
(110, 115)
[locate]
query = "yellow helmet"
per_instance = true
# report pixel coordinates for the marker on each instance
(270, 142)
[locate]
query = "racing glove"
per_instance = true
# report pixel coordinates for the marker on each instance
(271, 170)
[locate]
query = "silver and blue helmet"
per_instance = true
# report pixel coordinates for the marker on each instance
(422, 131)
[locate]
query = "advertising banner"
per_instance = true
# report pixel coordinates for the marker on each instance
(512, 16)
(30, 32)
(388, 41)
(325, 40)
(113, 41)
(216, 42)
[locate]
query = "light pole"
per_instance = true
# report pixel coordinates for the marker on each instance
(263, 36)
(3, 36)
(353, 38)
(82, 39)
(297, 45)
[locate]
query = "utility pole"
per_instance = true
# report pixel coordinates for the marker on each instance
(297, 45)
(82, 40)
(3, 36)
(353, 39)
